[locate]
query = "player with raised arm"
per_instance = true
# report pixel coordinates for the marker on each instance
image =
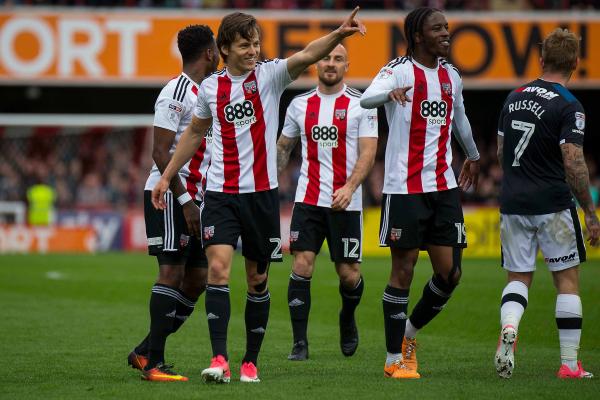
(339, 142)
(540, 148)
(181, 259)
(241, 103)
(421, 207)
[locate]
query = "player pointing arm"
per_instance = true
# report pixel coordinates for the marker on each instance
(241, 104)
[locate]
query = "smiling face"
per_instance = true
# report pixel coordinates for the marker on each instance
(332, 68)
(434, 40)
(242, 54)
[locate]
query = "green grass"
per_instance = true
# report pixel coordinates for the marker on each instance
(68, 323)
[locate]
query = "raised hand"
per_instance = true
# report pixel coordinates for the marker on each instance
(352, 25)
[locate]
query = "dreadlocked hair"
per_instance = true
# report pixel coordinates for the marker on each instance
(413, 23)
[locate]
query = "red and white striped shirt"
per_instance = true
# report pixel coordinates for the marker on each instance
(173, 111)
(329, 127)
(418, 155)
(245, 112)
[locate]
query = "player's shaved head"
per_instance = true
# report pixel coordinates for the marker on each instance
(332, 68)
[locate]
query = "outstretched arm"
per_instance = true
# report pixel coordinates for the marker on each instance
(367, 147)
(319, 48)
(577, 177)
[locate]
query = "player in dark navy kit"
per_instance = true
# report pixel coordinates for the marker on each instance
(540, 148)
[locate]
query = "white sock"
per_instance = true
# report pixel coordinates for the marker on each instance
(392, 358)
(514, 302)
(410, 331)
(568, 321)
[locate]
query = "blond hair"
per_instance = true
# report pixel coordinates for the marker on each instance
(560, 50)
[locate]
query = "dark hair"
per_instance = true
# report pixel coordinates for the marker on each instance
(193, 40)
(233, 24)
(559, 51)
(413, 23)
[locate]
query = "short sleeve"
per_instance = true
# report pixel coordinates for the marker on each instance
(572, 128)
(202, 109)
(501, 121)
(277, 73)
(168, 113)
(291, 128)
(368, 125)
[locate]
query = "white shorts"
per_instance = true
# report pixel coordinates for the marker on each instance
(557, 235)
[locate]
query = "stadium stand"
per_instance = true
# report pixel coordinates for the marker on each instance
(471, 5)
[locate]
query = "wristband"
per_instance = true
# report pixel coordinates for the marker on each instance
(184, 198)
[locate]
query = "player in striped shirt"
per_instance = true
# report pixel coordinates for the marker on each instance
(241, 103)
(339, 142)
(421, 208)
(182, 263)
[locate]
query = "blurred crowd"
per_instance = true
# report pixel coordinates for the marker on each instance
(101, 168)
(472, 5)
(104, 168)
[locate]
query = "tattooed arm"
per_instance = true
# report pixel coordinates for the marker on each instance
(577, 177)
(285, 145)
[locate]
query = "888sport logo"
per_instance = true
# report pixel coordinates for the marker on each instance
(325, 135)
(240, 114)
(434, 111)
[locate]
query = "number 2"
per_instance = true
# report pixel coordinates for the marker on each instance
(276, 254)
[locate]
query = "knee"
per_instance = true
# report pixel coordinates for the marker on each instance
(349, 275)
(447, 283)
(454, 277)
(302, 266)
(170, 276)
(257, 283)
(194, 284)
(218, 272)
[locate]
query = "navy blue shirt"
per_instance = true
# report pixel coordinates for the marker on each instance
(535, 120)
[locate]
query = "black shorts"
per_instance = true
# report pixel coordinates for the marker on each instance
(410, 221)
(253, 216)
(167, 235)
(311, 225)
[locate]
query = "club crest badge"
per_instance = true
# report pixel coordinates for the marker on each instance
(294, 236)
(395, 234)
(447, 88)
(340, 114)
(209, 232)
(250, 87)
(580, 120)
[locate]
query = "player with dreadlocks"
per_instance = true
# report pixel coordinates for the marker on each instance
(421, 209)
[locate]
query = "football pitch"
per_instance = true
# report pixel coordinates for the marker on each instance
(69, 322)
